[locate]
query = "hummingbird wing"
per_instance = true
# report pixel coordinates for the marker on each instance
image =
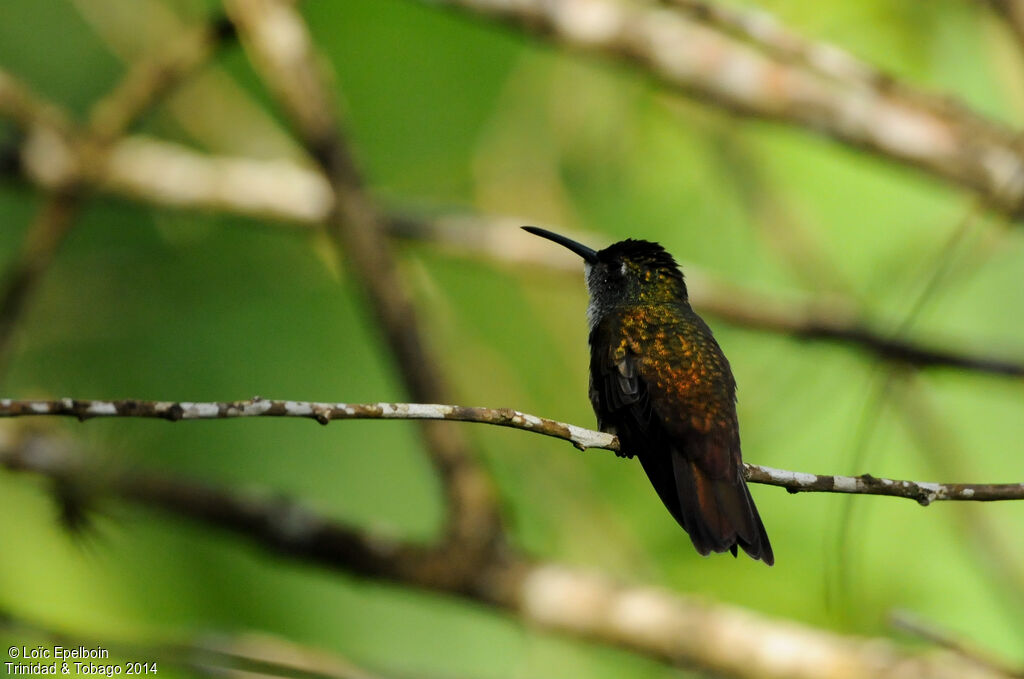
(664, 387)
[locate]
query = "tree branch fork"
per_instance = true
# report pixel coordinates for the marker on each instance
(584, 439)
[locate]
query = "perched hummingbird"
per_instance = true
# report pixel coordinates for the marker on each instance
(660, 382)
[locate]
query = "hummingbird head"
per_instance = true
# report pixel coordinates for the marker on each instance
(625, 273)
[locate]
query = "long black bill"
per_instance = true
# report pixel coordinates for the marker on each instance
(589, 255)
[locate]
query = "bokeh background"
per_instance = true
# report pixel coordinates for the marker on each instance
(448, 114)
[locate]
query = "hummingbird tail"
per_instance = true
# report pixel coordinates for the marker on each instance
(719, 514)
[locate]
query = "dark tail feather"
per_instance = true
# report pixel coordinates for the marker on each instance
(762, 547)
(719, 514)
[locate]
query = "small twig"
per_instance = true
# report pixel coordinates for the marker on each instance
(933, 634)
(25, 108)
(657, 623)
(923, 492)
(47, 230)
(51, 154)
(148, 79)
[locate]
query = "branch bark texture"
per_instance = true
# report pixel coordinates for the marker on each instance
(922, 491)
(702, 60)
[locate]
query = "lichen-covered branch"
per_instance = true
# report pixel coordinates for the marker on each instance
(278, 44)
(698, 58)
(923, 492)
(719, 639)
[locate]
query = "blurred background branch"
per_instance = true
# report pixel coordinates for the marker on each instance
(167, 174)
(939, 135)
(915, 626)
(666, 626)
(46, 133)
(1012, 12)
(278, 44)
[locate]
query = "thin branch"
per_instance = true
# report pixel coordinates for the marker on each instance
(25, 108)
(935, 134)
(54, 143)
(923, 492)
(719, 639)
(278, 43)
(933, 634)
(49, 152)
(147, 80)
(52, 154)
(58, 153)
(1012, 12)
(932, 433)
(266, 654)
(45, 234)
(764, 31)
(826, 318)
(172, 175)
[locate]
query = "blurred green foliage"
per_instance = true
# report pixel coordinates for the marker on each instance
(446, 112)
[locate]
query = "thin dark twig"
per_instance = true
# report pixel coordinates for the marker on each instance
(932, 633)
(357, 229)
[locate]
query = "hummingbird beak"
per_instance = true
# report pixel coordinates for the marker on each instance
(589, 255)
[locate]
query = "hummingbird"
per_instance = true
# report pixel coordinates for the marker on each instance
(662, 385)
